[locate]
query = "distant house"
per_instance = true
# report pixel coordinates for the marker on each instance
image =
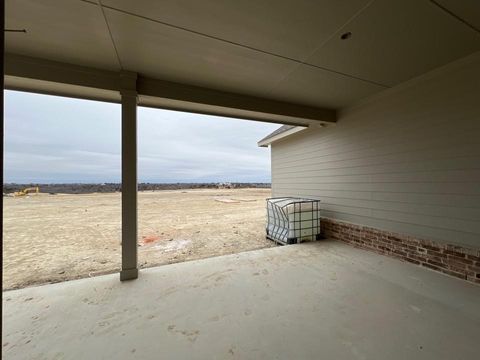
(396, 170)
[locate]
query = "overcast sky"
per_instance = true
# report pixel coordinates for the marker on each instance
(51, 139)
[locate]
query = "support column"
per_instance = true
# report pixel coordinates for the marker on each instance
(128, 92)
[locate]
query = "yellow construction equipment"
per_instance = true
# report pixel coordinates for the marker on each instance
(27, 191)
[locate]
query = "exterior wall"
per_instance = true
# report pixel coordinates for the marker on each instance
(406, 161)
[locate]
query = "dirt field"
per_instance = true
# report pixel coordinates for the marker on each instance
(51, 238)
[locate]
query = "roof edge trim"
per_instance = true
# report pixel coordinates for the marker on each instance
(271, 139)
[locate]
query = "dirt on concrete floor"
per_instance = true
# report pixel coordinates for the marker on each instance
(52, 238)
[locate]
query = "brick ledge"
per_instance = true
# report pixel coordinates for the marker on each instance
(453, 260)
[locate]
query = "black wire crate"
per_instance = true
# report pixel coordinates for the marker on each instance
(293, 220)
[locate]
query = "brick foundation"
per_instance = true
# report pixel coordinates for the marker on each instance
(453, 260)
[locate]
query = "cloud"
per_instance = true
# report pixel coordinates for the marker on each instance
(55, 139)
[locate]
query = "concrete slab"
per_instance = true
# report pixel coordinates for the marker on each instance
(323, 300)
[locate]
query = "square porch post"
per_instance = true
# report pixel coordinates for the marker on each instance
(129, 175)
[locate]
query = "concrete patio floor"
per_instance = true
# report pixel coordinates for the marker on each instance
(323, 300)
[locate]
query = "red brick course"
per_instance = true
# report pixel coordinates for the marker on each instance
(454, 260)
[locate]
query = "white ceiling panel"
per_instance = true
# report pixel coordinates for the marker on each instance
(316, 87)
(162, 52)
(292, 28)
(67, 31)
(393, 41)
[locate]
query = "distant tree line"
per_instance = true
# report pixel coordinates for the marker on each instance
(115, 187)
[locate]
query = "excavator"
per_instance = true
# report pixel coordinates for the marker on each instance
(26, 191)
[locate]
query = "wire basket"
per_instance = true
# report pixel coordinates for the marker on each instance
(293, 220)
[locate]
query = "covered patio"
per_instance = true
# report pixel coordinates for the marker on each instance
(299, 63)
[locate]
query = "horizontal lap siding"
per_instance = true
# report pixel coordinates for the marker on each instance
(408, 161)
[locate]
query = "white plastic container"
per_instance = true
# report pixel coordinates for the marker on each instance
(293, 220)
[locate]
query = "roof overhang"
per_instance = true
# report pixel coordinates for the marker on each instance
(271, 139)
(293, 63)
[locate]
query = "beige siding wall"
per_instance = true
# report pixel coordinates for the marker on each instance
(406, 161)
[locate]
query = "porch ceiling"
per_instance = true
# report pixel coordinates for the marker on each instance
(282, 50)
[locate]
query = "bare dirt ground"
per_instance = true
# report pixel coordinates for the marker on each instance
(52, 238)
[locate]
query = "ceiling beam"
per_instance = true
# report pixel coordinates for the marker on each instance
(169, 95)
(55, 78)
(59, 72)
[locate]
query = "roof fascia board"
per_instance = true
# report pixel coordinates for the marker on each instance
(269, 141)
